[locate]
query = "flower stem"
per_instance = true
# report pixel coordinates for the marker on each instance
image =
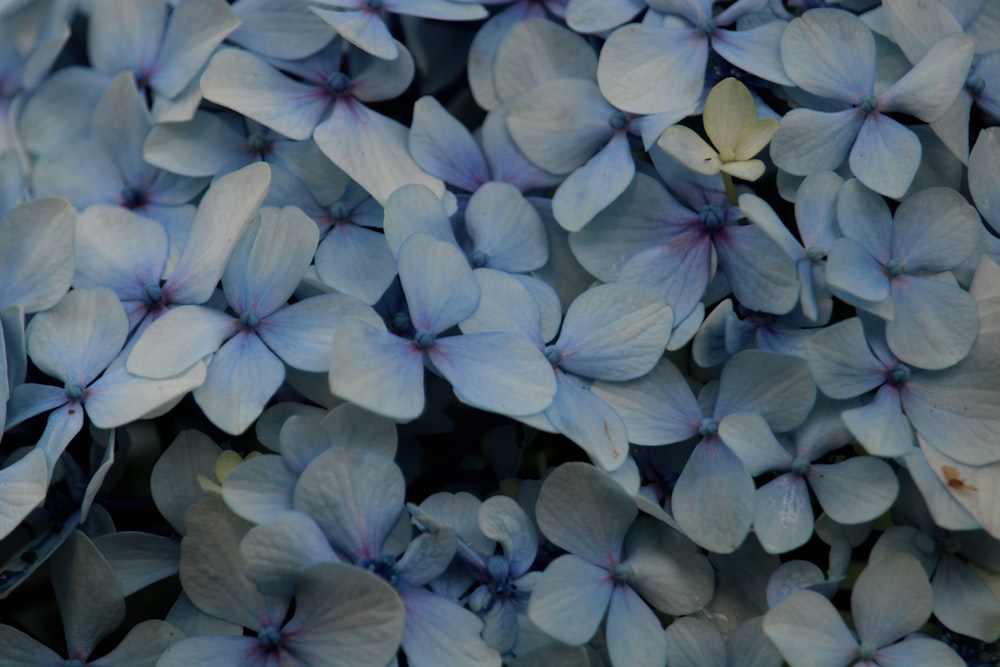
(727, 180)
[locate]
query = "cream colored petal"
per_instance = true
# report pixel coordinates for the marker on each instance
(755, 137)
(690, 149)
(729, 109)
(748, 170)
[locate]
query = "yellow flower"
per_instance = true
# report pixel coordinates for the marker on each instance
(224, 464)
(731, 123)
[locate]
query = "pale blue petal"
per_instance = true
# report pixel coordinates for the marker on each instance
(694, 642)
(427, 556)
(591, 188)
(496, 371)
(587, 16)
(854, 271)
(776, 386)
(77, 338)
(538, 51)
(936, 323)
(856, 490)
(880, 426)
(929, 89)
(502, 519)
(356, 498)
(60, 428)
(356, 260)
(816, 209)
(809, 141)
(840, 361)
(919, 651)
(633, 631)
(179, 339)
(984, 161)
(372, 149)
(90, 601)
(885, 156)
(440, 632)
(668, 570)
(269, 260)
(121, 37)
(363, 28)
(378, 371)
(279, 29)
(444, 10)
(614, 332)
(344, 617)
(215, 651)
(23, 486)
(589, 422)
(173, 480)
(119, 397)
(242, 377)
(505, 304)
(934, 230)
(139, 559)
(195, 30)
(570, 599)
(560, 124)
(506, 162)
(117, 249)
(240, 81)
(444, 147)
(143, 645)
(36, 254)
(259, 489)
(891, 599)
(224, 213)
(412, 209)
(830, 53)
(713, 499)
(756, 50)
(749, 436)
(809, 632)
(783, 517)
(278, 551)
(964, 602)
(506, 229)
(768, 282)
(440, 288)
(374, 79)
(301, 334)
(954, 409)
(636, 59)
(582, 510)
(658, 408)
(484, 47)
(864, 217)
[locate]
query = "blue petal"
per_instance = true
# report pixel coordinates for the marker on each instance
(885, 156)
(194, 32)
(415, 208)
(591, 188)
(570, 599)
(809, 141)
(278, 551)
(749, 436)
(363, 28)
(830, 53)
(440, 288)
(761, 276)
(856, 490)
(260, 488)
(378, 371)
(934, 230)
(356, 498)
(694, 642)
(180, 339)
(496, 371)
(242, 377)
(440, 632)
(756, 50)
(636, 59)
(935, 325)
(614, 332)
(713, 499)
(634, 633)
(589, 422)
(891, 599)
(783, 518)
(538, 51)
(444, 147)
(841, 363)
(356, 260)
(776, 386)
(23, 486)
(880, 426)
(855, 273)
(809, 632)
(919, 651)
(36, 254)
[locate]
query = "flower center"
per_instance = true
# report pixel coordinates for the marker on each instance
(133, 198)
(800, 466)
(553, 354)
(623, 573)
(975, 85)
(373, 4)
(867, 651)
(339, 210)
(708, 427)
(383, 566)
(712, 216)
(249, 319)
(900, 374)
(338, 82)
(895, 267)
(618, 120)
(868, 103)
(152, 294)
(424, 338)
(72, 662)
(73, 390)
(256, 142)
(815, 254)
(706, 26)
(269, 637)
(480, 258)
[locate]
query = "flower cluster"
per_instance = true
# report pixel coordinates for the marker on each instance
(357, 333)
